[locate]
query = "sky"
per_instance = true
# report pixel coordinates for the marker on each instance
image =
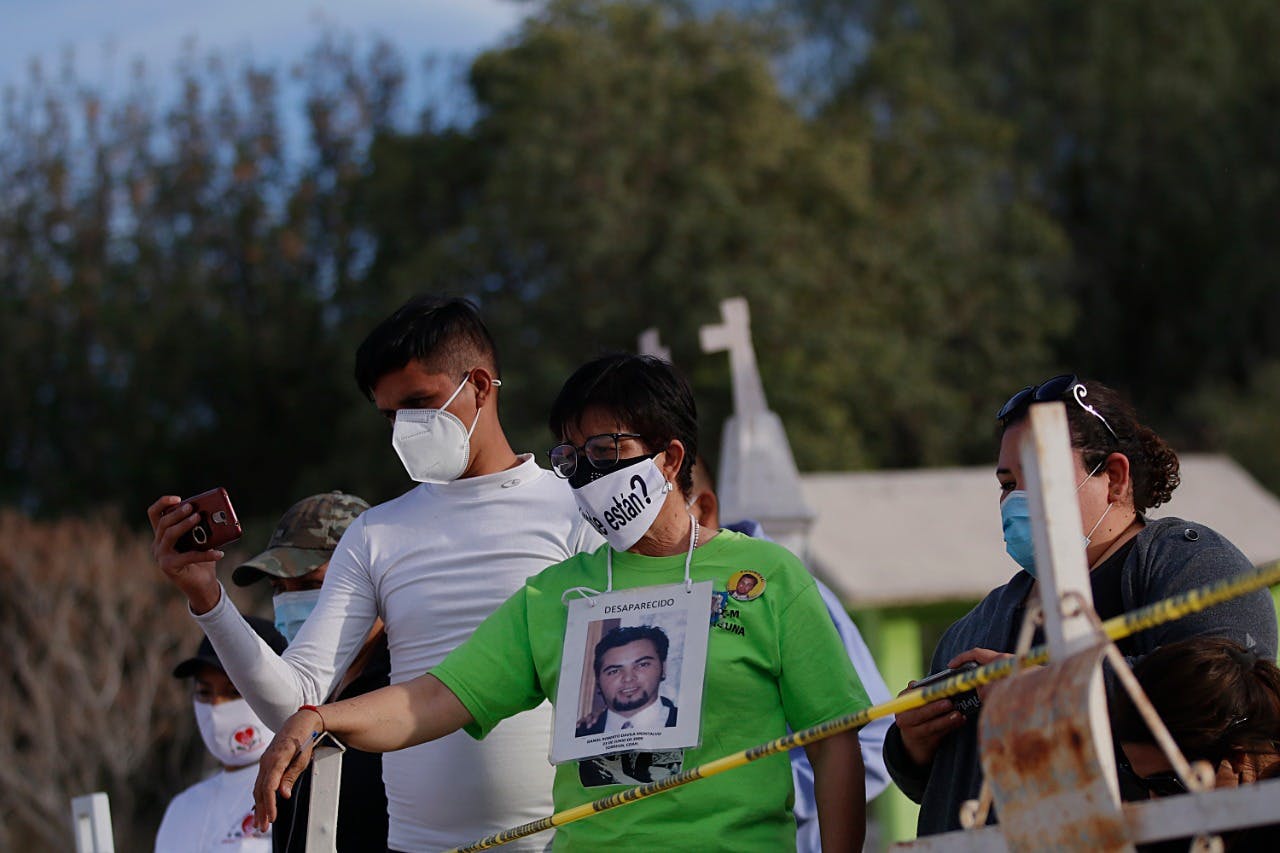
(107, 35)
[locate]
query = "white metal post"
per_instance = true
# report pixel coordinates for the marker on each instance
(326, 783)
(91, 824)
(1061, 568)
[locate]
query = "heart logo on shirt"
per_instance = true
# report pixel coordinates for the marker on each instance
(247, 828)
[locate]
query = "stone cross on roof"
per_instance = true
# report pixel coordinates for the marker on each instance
(734, 335)
(758, 477)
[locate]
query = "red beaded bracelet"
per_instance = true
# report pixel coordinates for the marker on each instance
(323, 727)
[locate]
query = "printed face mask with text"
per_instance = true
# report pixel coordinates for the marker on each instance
(623, 504)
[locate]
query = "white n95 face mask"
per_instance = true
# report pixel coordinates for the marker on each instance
(231, 732)
(623, 504)
(432, 444)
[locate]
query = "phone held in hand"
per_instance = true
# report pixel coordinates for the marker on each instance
(218, 523)
(966, 703)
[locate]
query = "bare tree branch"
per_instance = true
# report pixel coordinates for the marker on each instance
(90, 638)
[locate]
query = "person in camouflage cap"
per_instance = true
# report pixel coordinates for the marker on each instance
(295, 562)
(304, 539)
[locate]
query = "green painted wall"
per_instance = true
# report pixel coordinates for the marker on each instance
(902, 640)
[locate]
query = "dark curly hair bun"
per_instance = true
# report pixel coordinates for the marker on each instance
(1154, 480)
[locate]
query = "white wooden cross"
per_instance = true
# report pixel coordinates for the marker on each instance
(734, 335)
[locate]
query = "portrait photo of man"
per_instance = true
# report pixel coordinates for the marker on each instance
(630, 664)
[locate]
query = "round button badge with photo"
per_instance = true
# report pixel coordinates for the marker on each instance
(745, 585)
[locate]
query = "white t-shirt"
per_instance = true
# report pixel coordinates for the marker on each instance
(214, 816)
(433, 563)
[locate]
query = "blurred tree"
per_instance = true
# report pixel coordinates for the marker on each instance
(1149, 130)
(183, 286)
(172, 279)
(1245, 421)
(89, 701)
(633, 164)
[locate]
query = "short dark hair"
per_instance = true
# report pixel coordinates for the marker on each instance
(446, 334)
(646, 394)
(619, 637)
(1153, 464)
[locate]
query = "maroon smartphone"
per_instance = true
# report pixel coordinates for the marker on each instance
(218, 523)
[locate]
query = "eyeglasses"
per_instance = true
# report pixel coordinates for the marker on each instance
(1164, 784)
(600, 450)
(1048, 391)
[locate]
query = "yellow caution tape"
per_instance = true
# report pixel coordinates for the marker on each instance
(1167, 610)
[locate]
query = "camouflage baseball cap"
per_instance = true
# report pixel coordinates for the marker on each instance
(304, 538)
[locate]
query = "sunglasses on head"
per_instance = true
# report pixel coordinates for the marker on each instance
(1049, 391)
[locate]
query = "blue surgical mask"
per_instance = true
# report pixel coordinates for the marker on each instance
(1015, 517)
(292, 609)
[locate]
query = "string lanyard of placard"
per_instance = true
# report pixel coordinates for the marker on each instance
(590, 594)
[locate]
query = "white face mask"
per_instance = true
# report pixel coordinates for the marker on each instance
(232, 733)
(433, 444)
(623, 504)
(292, 609)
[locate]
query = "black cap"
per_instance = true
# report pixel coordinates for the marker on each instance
(206, 655)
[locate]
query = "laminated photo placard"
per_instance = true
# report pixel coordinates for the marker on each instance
(631, 672)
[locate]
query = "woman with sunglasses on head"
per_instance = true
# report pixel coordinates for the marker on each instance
(628, 437)
(1221, 703)
(1123, 468)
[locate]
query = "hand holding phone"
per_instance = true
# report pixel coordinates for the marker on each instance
(218, 524)
(187, 558)
(967, 703)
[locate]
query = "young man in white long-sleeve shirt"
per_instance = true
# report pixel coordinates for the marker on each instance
(432, 563)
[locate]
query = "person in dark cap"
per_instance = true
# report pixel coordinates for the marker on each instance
(294, 563)
(217, 814)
